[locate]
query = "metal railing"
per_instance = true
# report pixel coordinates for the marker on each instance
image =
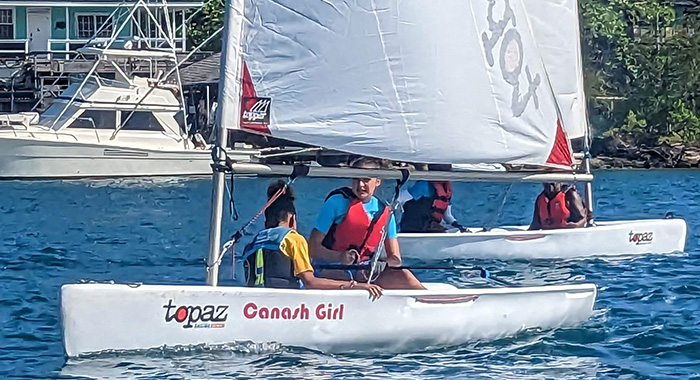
(22, 46)
(66, 47)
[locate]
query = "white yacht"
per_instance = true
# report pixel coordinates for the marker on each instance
(127, 126)
(104, 128)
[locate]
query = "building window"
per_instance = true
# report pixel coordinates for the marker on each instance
(7, 26)
(88, 25)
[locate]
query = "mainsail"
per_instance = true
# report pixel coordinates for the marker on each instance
(555, 24)
(436, 81)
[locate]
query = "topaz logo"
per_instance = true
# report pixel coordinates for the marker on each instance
(641, 238)
(207, 316)
(256, 110)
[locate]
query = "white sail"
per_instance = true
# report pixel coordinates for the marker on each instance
(438, 81)
(555, 24)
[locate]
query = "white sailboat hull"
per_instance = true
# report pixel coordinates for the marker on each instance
(99, 317)
(39, 158)
(618, 238)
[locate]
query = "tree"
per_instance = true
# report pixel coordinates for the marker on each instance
(205, 23)
(644, 53)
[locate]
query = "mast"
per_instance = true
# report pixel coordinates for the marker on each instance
(587, 167)
(230, 68)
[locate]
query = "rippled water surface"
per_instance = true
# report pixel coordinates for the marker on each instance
(646, 324)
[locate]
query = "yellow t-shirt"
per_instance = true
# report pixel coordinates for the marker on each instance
(296, 248)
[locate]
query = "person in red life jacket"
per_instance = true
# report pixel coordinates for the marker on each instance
(427, 208)
(427, 205)
(278, 256)
(558, 208)
(349, 229)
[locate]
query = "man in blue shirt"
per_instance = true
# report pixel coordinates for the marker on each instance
(427, 205)
(427, 208)
(349, 228)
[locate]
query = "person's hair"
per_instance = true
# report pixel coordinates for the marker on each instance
(282, 207)
(366, 163)
(276, 186)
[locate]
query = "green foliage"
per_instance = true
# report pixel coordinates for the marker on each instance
(205, 23)
(641, 60)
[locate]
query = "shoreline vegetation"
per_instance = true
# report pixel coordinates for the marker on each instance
(614, 153)
(641, 71)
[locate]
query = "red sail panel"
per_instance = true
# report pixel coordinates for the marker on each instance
(252, 105)
(561, 151)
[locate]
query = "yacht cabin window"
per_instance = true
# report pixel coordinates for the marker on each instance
(96, 119)
(88, 25)
(140, 121)
(7, 24)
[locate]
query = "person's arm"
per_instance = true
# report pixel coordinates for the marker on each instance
(536, 222)
(404, 196)
(391, 244)
(579, 224)
(451, 221)
(297, 249)
(319, 252)
(448, 218)
(393, 254)
(578, 213)
(326, 217)
(312, 282)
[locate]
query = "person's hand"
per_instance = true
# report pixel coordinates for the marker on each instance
(375, 291)
(460, 227)
(393, 261)
(349, 257)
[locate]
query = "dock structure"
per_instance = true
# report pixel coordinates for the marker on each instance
(39, 42)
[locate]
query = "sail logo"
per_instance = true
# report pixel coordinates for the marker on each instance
(510, 57)
(322, 312)
(207, 316)
(641, 238)
(256, 110)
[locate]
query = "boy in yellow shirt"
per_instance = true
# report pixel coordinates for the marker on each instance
(278, 256)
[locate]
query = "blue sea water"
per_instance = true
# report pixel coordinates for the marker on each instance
(646, 324)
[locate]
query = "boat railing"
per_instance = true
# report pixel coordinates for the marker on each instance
(112, 82)
(35, 134)
(15, 127)
(94, 127)
(57, 135)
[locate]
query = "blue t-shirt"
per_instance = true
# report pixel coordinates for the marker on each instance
(422, 189)
(335, 208)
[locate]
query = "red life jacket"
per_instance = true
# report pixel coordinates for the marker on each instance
(553, 213)
(356, 230)
(443, 195)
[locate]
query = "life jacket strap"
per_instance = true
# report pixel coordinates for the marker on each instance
(259, 268)
(372, 225)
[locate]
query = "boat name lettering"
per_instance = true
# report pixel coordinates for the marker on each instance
(207, 316)
(322, 312)
(641, 238)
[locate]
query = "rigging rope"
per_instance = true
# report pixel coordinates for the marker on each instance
(494, 217)
(227, 167)
(392, 208)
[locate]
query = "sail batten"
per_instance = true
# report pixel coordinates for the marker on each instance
(446, 81)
